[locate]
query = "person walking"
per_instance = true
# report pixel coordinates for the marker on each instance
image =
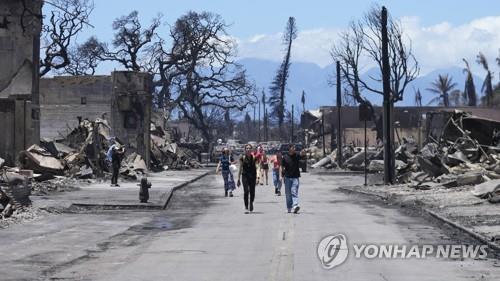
(225, 162)
(247, 175)
(276, 163)
(264, 168)
(116, 159)
(291, 174)
(258, 158)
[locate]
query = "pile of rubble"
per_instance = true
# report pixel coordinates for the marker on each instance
(168, 155)
(57, 165)
(463, 150)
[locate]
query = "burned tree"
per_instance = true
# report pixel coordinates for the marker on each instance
(487, 87)
(278, 85)
(470, 89)
(418, 98)
(84, 58)
(303, 101)
(67, 18)
(205, 75)
(131, 42)
(363, 40)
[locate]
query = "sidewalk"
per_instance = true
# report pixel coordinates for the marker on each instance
(101, 194)
(454, 206)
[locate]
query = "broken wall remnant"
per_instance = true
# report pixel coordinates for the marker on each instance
(19, 55)
(15, 121)
(131, 111)
(65, 98)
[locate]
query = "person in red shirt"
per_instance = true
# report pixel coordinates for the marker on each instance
(276, 163)
(258, 158)
(264, 168)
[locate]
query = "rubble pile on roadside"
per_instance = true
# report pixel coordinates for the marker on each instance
(81, 155)
(465, 150)
(169, 155)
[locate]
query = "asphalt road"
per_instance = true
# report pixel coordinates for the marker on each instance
(204, 236)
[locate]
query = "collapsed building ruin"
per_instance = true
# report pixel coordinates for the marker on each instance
(123, 98)
(19, 54)
(456, 149)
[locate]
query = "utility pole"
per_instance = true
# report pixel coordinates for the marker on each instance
(265, 113)
(253, 123)
(388, 129)
(339, 117)
(323, 131)
(266, 136)
(291, 137)
(258, 124)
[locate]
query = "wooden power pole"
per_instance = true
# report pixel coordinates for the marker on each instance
(339, 117)
(388, 127)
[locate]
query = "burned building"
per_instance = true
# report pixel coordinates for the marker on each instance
(123, 99)
(409, 122)
(65, 98)
(19, 54)
(131, 104)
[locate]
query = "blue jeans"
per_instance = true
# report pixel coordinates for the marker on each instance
(291, 192)
(276, 179)
(228, 180)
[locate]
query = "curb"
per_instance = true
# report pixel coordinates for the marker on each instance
(464, 229)
(435, 215)
(160, 206)
(179, 186)
(116, 206)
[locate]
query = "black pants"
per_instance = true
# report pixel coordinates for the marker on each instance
(248, 189)
(114, 178)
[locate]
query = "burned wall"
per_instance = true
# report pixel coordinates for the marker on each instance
(65, 98)
(131, 111)
(19, 54)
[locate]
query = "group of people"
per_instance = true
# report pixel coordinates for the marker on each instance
(254, 168)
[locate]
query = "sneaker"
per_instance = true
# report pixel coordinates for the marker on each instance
(279, 193)
(225, 193)
(251, 207)
(296, 209)
(275, 191)
(230, 194)
(289, 210)
(117, 185)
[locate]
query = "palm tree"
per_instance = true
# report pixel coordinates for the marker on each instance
(487, 87)
(442, 86)
(303, 100)
(418, 98)
(456, 98)
(470, 90)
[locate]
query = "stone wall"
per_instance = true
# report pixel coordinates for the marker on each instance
(131, 111)
(65, 98)
(19, 55)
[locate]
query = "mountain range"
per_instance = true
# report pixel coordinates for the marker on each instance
(313, 79)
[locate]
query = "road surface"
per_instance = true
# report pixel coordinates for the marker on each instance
(205, 236)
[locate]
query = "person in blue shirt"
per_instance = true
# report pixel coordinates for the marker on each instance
(225, 161)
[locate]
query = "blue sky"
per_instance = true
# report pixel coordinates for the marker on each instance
(442, 31)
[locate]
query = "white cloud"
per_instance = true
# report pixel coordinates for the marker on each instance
(310, 46)
(437, 46)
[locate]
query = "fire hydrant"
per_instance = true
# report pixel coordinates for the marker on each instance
(144, 190)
